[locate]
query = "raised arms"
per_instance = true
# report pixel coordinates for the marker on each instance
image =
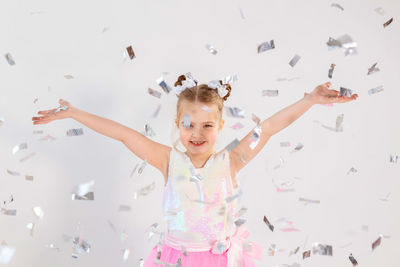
(154, 153)
(243, 154)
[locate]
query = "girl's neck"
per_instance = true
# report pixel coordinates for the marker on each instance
(199, 161)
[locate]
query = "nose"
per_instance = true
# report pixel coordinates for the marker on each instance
(196, 132)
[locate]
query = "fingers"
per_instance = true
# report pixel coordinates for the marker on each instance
(47, 111)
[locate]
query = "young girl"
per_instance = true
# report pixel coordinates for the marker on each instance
(200, 184)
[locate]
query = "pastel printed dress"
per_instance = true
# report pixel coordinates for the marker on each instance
(199, 205)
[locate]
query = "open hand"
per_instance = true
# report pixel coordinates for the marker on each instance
(323, 95)
(53, 114)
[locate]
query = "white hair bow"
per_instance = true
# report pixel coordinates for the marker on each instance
(188, 83)
(217, 85)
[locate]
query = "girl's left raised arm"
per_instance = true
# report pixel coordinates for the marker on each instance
(243, 154)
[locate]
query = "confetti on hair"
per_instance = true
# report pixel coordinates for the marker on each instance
(266, 46)
(75, 132)
(294, 60)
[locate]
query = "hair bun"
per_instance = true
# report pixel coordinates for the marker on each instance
(180, 79)
(227, 87)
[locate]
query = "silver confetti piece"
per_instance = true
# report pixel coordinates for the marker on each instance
(83, 191)
(353, 260)
(322, 249)
(306, 254)
(233, 197)
(206, 108)
(27, 157)
(141, 262)
(10, 59)
(331, 69)
(387, 23)
(376, 243)
(241, 212)
(155, 114)
(148, 131)
(239, 222)
(125, 254)
(270, 226)
(211, 49)
(255, 137)
(13, 173)
(61, 108)
(80, 246)
(124, 208)
(294, 60)
(386, 197)
(10, 212)
(380, 11)
(293, 252)
(285, 144)
(235, 112)
(270, 92)
(163, 85)
(144, 191)
(255, 118)
(364, 228)
(298, 147)
(345, 92)
(8, 201)
(241, 13)
(186, 121)
(352, 170)
(345, 42)
(75, 132)
(373, 69)
(38, 212)
(232, 145)
(6, 253)
(308, 201)
(131, 54)
(37, 132)
(266, 46)
(154, 93)
(68, 77)
(337, 6)
(375, 90)
(31, 227)
(393, 158)
(237, 126)
(19, 147)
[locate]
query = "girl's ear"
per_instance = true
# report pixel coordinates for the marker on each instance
(221, 124)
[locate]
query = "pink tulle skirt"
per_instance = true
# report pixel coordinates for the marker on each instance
(193, 259)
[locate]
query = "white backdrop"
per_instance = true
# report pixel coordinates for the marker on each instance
(87, 39)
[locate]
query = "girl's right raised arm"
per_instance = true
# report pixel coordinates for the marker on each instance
(154, 153)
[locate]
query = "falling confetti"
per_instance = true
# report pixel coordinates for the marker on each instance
(331, 69)
(270, 226)
(154, 93)
(375, 90)
(75, 132)
(163, 85)
(373, 69)
(376, 243)
(337, 6)
(83, 191)
(270, 92)
(211, 49)
(353, 260)
(322, 249)
(144, 191)
(19, 147)
(10, 59)
(294, 60)
(265, 46)
(68, 77)
(345, 92)
(387, 23)
(306, 254)
(148, 131)
(131, 54)
(308, 201)
(237, 126)
(235, 112)
(6, 253)
(38, 212)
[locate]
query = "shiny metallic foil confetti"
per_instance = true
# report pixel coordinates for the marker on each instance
(241, 13)
(235, 112)
(331, 69)
(125, 254)
(75, 132)
(270, 226)
(232, 145)
(144, 191)
(375, 90)
(186, 121)
(237, 126)
(149, 131)
(154, 93)
(68, 77)
(163, 85)
(80, 246)
(345, 92)
(376, 243)
(294, 60)
(306, 254)
(352, 170)
(345, 42)
(211, 49)
(373, 69)
(294, 251)
(83, 191)
(387, 23)
(61, 108)
(27, 157)
(380, 11)
(266, 46)
(230, 79)
(339, 123)
(10, 212)
(131, 54)
(298, 147)
(19, 147)
(308, 201)
(239, 222)
(37, 132)
(13, 173)
(6, 253)
(124, 208)
(322, 249)
(272, 250)
(353, 260)
(38, 212)
(255, 137)
(393, 158)
(31, 227)
(8, 201)
(10, 59)
(270, 92)
(337, 6)
(155, 114)
(285, 144)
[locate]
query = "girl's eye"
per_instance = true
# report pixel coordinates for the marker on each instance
(209, 125)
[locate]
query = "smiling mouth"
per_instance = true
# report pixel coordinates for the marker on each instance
(197, 143)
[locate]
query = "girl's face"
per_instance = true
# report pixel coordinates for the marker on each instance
(204, 127)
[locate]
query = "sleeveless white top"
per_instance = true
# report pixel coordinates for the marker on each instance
(199, 202)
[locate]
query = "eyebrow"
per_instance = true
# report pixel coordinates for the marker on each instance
(202, 122)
